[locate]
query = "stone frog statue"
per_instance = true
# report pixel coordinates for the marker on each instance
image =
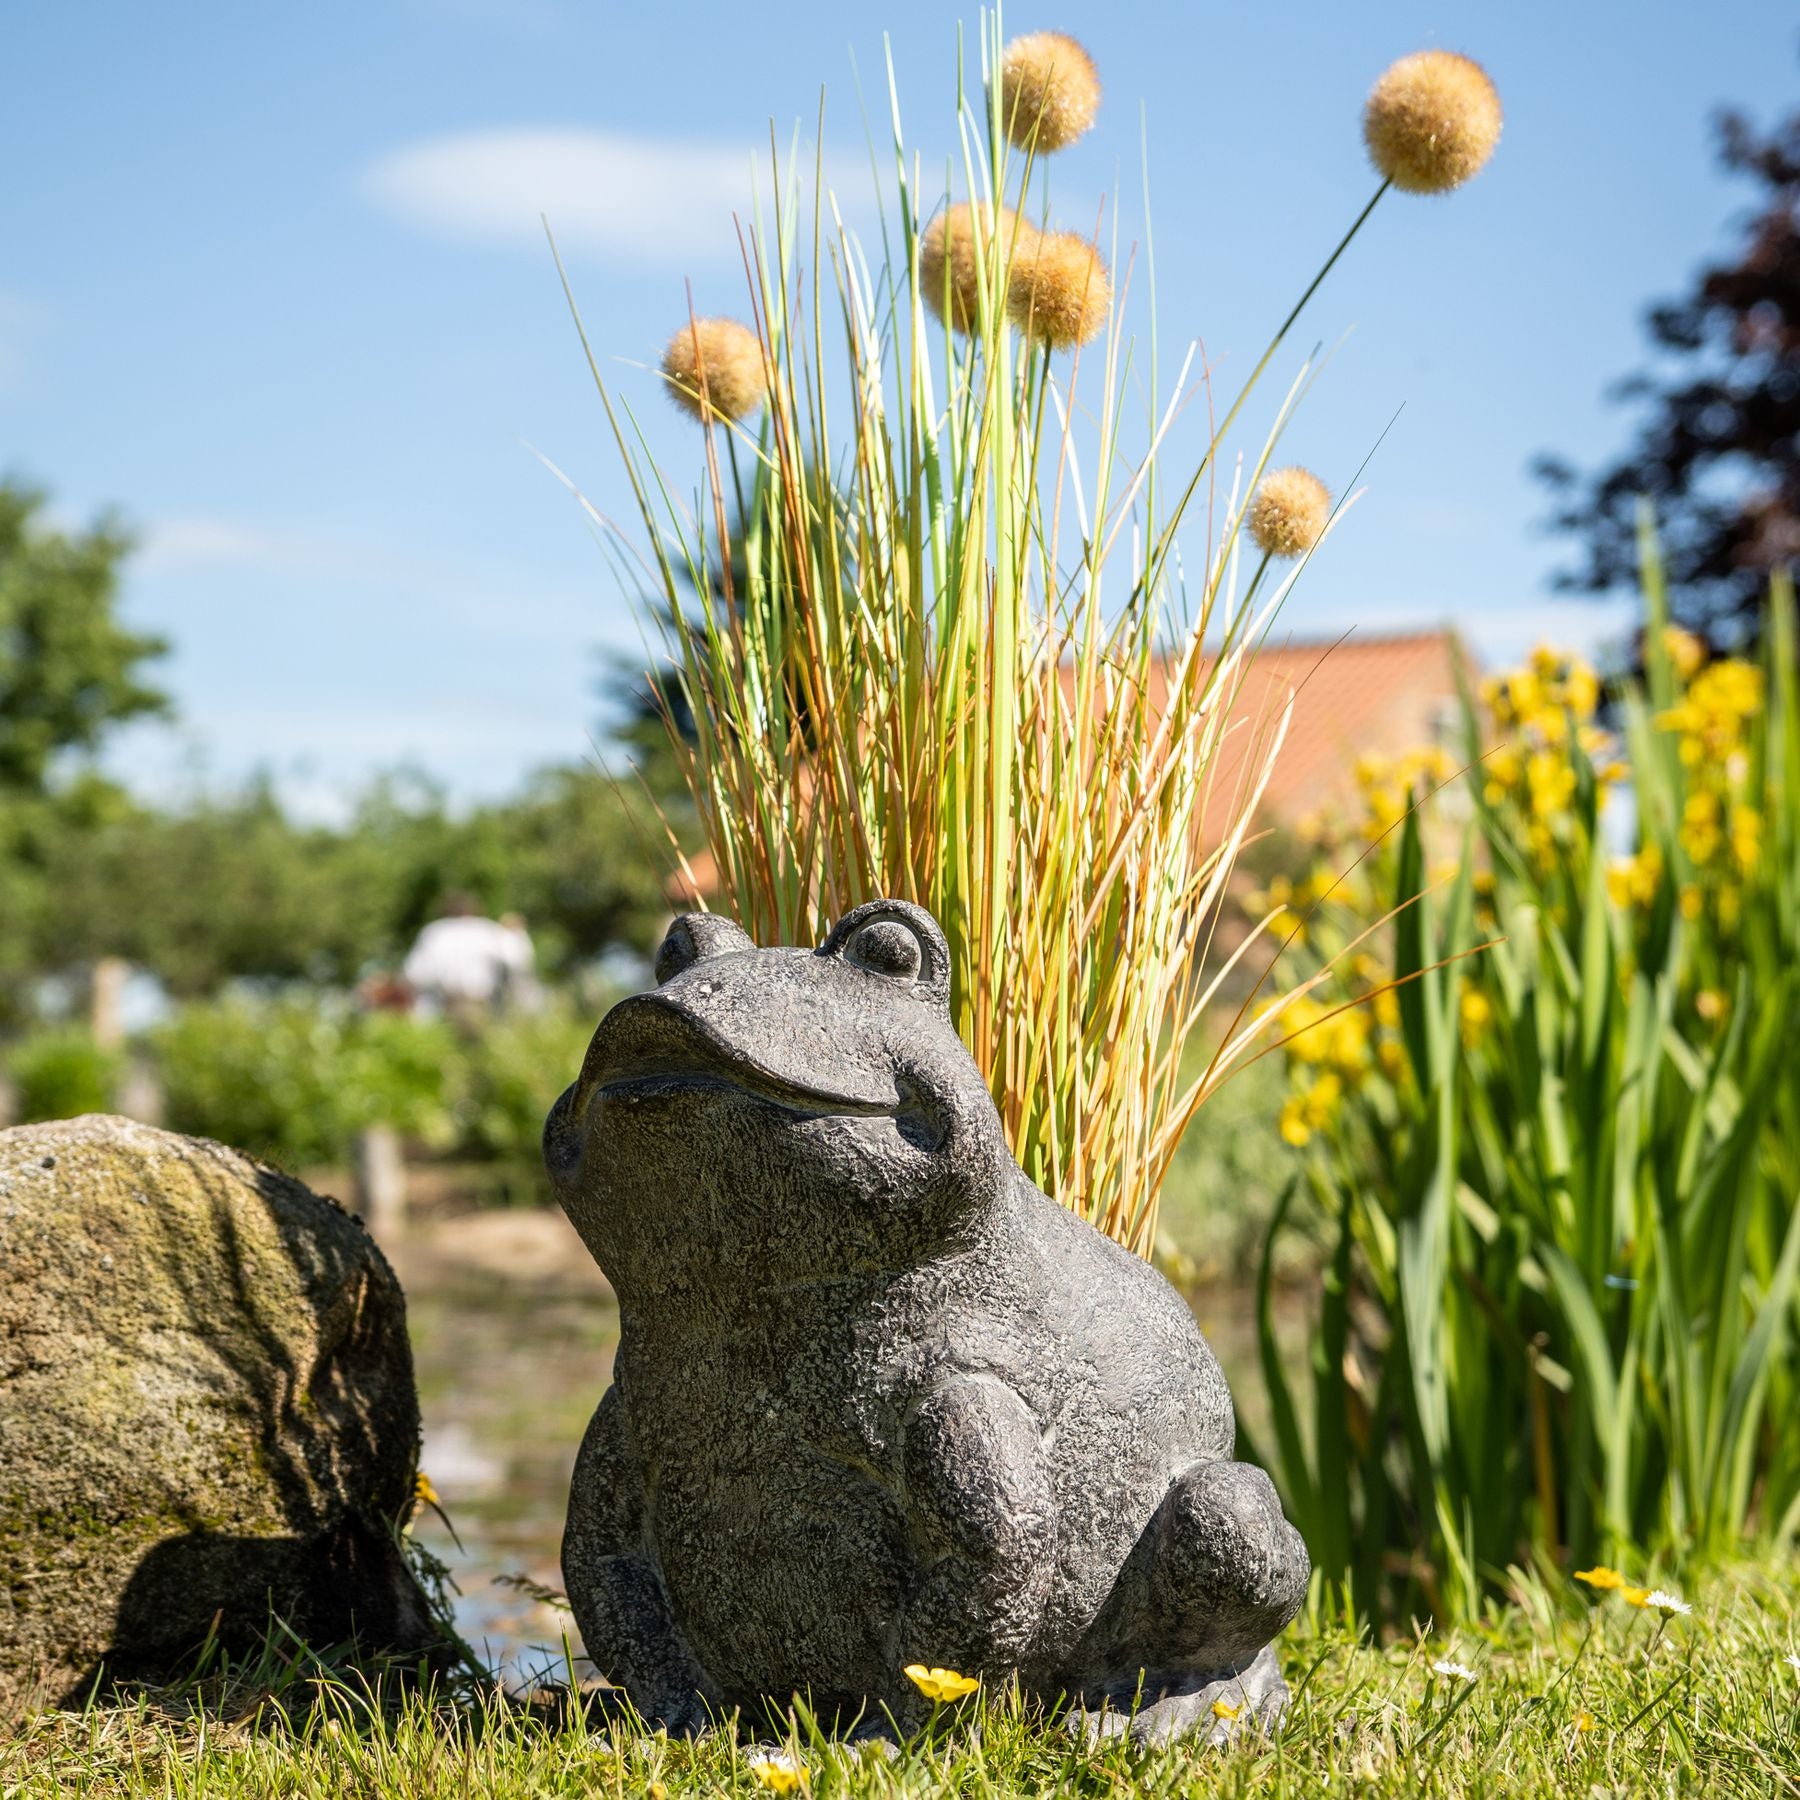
(878, 1401)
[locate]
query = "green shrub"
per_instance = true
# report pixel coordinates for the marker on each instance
(60, 1072)
(294, 1079)
(512, 1073)
(1551, 1147)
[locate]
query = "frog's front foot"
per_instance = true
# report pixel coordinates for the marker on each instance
(1215, 1574)
(1222, 1571)
(1216, 1709)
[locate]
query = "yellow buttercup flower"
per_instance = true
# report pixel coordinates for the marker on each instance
(1601, 1577)
(1584, 1720)
(1387, 807)
(1700, 839)
(941, 1684)
(1710, 719)
(1305, 1043)
(1730, 688)
(1223, 1709)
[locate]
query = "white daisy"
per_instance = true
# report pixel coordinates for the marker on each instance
(1792, 1661)
(1669, 1603)
(1457, 1671)
(779, 1770)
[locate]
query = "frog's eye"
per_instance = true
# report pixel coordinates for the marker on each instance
(899, 940)
(886, 947)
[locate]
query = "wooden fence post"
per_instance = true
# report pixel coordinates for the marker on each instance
(378, 1171)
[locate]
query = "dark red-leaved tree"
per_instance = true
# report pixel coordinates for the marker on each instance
(1718, 450)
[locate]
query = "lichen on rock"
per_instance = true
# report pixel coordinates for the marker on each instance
(207, 1410)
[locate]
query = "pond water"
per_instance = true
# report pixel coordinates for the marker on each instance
(513, 1333)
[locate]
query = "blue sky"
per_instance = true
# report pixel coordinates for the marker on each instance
(271, 282)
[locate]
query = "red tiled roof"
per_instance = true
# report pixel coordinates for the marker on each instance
(1353, 697)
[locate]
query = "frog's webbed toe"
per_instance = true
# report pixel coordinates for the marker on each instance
(1218, 1709)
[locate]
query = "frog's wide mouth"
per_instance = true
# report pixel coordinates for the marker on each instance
(671, 1076)
(651, 1049)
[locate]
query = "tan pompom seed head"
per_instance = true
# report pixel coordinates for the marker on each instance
(1289, 513)
(1060, 292)
(950, 254)
(715, 369)
(1432, 121)
(1049, 91)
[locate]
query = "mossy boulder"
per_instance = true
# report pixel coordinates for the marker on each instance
(207, 1412)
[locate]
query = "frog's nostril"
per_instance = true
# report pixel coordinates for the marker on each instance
(696, 937)
(562, 1132)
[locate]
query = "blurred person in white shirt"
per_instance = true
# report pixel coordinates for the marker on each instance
(463, 964)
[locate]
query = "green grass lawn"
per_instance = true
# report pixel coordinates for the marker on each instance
(1568, 1695)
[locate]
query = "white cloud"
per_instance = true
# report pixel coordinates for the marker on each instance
(664, 199)
(180, 546)
(372, 577)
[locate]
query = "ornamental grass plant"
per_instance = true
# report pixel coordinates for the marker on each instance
(1549, 1137)
(927, 623)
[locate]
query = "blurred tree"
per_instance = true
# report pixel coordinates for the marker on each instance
(1718, 455)
(68, 669)
(221, 889)
(69, 672)
(584, 864)
(231, 888)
